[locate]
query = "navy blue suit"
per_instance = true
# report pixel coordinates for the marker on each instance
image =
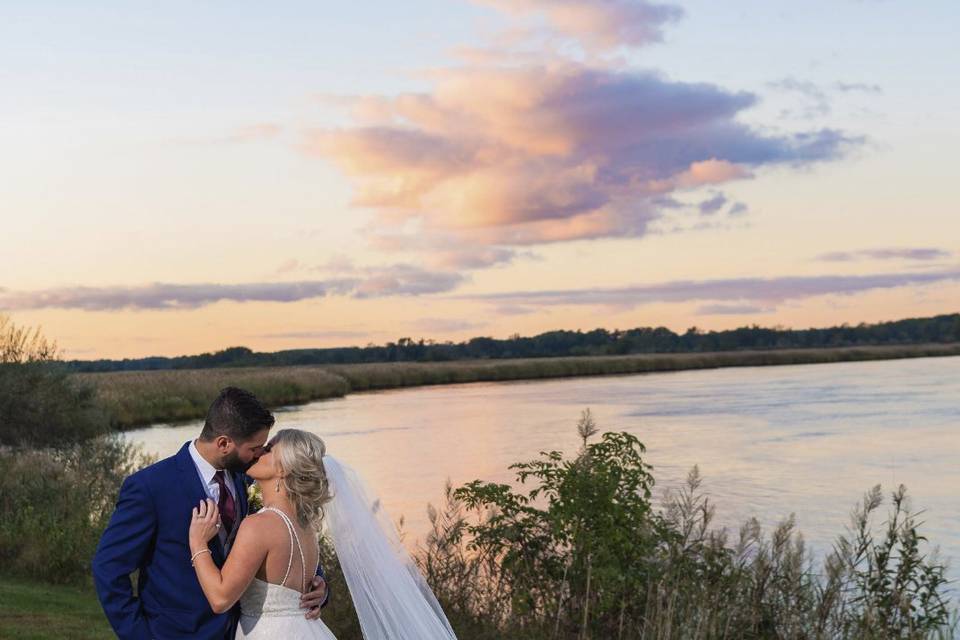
(149, 531)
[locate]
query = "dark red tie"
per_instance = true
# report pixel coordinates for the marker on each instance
(228, 508)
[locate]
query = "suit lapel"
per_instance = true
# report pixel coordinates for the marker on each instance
(194, 491)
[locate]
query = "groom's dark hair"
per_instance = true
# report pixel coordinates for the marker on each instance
(236, 414)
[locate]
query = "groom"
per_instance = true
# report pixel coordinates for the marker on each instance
(148, 529)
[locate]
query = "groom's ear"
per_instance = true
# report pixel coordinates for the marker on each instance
(222, 441)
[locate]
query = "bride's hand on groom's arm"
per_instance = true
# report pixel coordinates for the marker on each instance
(204, 525)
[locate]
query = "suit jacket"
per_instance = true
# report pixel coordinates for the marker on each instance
(149, 531)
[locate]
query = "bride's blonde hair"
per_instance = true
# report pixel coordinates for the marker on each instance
(299, 456)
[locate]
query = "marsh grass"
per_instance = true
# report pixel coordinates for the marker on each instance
(133, 399)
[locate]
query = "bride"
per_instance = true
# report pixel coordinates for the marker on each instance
(276, 552)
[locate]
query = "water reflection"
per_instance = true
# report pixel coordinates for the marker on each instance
(769, 440)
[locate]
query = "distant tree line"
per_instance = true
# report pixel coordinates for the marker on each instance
(944, 328)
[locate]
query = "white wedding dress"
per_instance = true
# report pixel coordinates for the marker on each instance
(391, 598)
(272, 611)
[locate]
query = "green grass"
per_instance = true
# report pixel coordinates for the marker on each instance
(139, 398)
(30, 611)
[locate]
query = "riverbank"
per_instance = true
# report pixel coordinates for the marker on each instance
(139, 398)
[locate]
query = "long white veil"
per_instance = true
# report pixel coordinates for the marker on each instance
(392, 599)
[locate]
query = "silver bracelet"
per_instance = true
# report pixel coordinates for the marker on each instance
(194, 556)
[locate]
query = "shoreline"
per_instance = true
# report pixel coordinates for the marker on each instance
(137, 399)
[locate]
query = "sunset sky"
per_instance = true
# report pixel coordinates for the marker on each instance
(182, 177)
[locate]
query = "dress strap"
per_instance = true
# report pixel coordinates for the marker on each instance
(291, 530)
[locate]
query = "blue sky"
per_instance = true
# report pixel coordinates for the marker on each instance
(221, 149)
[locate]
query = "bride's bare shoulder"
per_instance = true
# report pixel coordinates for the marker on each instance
(260, 524)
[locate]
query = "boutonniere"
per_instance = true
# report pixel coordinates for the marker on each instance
(254, 498)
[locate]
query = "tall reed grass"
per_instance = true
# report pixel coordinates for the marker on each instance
(134, 398)
(144, 397)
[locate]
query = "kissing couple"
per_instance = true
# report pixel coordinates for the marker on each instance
(208, 568)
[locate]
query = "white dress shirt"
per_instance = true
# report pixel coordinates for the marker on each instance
(207, 472)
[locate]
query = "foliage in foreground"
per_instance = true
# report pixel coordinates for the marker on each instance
(582, 553)
(55, 503)
(41, 404)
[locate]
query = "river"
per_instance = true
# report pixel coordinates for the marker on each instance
(806, 439)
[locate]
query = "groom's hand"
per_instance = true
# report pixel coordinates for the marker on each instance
(312, 600)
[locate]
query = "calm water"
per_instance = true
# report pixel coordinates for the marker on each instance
(769, 440)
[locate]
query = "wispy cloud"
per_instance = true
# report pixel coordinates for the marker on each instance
(446, 325)
(312, 335)
(515, 310)
(816, 100)
(887, 253)
(446, 250)
(817, 103)
(732, 309)
(166, 295)
(398, 280)
(598, 25)
(859, 87)
(738, 209)
(765, 291)
(712, 205)
(405, 280)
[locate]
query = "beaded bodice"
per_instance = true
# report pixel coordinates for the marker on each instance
(267, 599)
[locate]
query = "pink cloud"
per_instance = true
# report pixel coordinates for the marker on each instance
(552, 152)
(711, 171)
(598, 25)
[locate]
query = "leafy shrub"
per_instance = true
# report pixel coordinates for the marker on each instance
(40, 403)
(55, 503)
(43, 406)
(582, 553)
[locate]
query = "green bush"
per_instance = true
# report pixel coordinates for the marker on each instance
(582, 553)
(41, 405)
(55, 503)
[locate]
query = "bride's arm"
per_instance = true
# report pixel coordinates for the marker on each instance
(223, 587)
